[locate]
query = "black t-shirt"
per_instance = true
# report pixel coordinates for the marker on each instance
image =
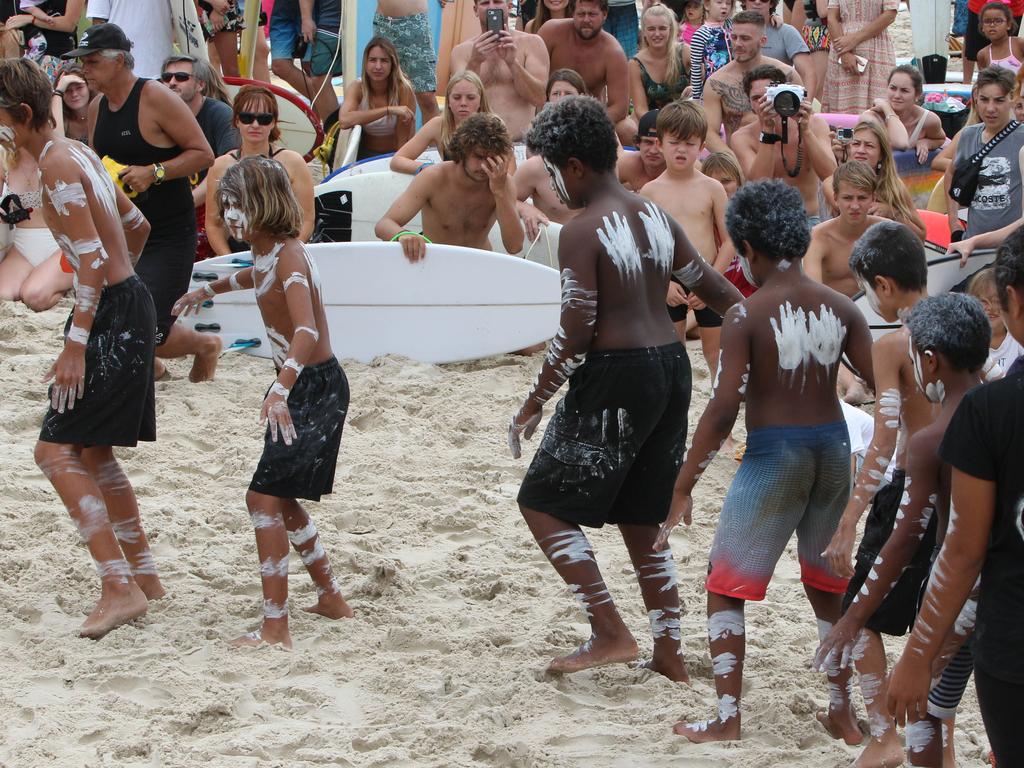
(57, 42)
(214, 119)
(985, 439)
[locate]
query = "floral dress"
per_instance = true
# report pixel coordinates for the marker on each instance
(853, 93)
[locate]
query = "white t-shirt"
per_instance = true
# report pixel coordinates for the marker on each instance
(147, 23)
(1004, 355)
(861, 428)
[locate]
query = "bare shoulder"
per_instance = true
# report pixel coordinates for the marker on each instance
(891, 349)
(291, 160)
(554, 31)
(652, 189)
(291, 257)
(530, 41)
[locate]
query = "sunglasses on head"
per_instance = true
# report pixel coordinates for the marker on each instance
(181, 77)
(263, 118)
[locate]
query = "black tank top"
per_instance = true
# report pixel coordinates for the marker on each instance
(117, 135)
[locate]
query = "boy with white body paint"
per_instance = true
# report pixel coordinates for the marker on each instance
(611, 451)
(305, 405)
(102, 391)
(781, 346)
(889, 264)
(949, 337)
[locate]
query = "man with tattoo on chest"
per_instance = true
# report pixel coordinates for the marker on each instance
(725, 103)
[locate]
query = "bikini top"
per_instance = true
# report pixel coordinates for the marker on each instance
(32, 198)
(237, 153)
(382, 126)
(660, 94)
(1010, 62)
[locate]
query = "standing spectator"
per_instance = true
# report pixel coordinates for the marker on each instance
(622, 24)
(147, 22)
(143, 126)
(221, 21)
(1005, 49)
(300, 31)
(974, 39)
(405, 24)
(660, 72)
(811, 17)
(693, 18)
(70, 105)
(710, 48)
(48, 30)
(862, 55)
(549, 9)
(784, 43)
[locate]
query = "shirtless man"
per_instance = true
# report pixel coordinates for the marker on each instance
(828, 258)
(405, 24)
(461, 198)
(581, 44)
(780, 352)
(724, 99)
(635, 169)
(615, 259)
(513, 66)
(802, 158)
(102, 390)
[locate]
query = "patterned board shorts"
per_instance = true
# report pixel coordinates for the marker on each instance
(816, 37)
(415, 45)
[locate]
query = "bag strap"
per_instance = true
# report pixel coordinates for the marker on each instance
(980, 154)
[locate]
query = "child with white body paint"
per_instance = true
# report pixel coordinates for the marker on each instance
(780, 347)
(888, 262)
(611, 451)
(949, 337)
(102, 391)
(307, 402)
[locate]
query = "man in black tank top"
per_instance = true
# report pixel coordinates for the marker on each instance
(148, 129)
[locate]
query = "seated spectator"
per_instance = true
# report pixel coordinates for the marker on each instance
(660, 72)
(464, 96)
(1003, 348)
(637, 169)
(549, 9)
(382, 102)
(562, 83)
(255, 117)
(909, 125)
(71, 97)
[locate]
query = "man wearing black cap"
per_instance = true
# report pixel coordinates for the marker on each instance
(635, 169)
(151, 132)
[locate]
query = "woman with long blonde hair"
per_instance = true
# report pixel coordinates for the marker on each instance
(660, 72)
(464, 96)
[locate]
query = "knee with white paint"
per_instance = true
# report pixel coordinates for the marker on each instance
(658, 569)
(111, 478)
(55, 460)
(567, 548)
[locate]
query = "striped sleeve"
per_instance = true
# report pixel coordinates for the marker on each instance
(697, 47)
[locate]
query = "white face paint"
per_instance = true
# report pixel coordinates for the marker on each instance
(872, 297)
(236, 222)
(558, 183)
(748, 275)
(934, 391)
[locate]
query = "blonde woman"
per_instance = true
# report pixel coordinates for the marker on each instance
(464, 96)
(660, 72)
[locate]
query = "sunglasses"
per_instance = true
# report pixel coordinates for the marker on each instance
(263, 118)
(181, 77)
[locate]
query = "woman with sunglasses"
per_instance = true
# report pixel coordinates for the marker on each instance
(255, 117)
(71, 97)
(382, 102)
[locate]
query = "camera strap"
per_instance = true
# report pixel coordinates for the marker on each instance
(795, 171)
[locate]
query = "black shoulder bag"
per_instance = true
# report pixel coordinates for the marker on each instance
(965, 175)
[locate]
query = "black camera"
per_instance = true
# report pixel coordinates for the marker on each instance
(299, 49)
(12, 211)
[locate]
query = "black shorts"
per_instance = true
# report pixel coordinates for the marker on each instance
(166, 267)
(118, 407)
(974, 41)
(613, 447)
(318, 403)
(706, 318)
(895, 616)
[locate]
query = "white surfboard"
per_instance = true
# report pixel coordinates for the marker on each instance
(944, 272)
(930, 22)
(381, 163)
(188, 35)
(349, 207)
(456, 304)
(301, 130)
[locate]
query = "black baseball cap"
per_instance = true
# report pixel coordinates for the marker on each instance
(101, 37)
(647, 127)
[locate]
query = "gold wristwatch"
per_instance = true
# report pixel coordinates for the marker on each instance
(158, 173)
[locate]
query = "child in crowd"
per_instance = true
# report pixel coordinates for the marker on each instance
(1005, 49)
(1003, 348)
(709, 48)
(693, 17)
(306, 404)
(723, 168)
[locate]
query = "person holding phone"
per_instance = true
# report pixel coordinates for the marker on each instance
(513, 66)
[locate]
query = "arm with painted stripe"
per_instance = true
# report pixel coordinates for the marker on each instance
(136, 227)
(689, 268)
(193, 300)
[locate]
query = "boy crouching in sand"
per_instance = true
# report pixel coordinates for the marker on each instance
(614, 445)
(305, 405)
(781, 350)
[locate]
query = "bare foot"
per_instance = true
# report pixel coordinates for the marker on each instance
(113, 610)
(159, 369)
(332, 605)
(855, 394)
(841, 726)
(709, 730)
(205, 363)
(596, 652)
(886, 752)
(265, 634)
(672, 668)
(150, 586)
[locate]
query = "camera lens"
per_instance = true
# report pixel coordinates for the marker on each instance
(786, 104)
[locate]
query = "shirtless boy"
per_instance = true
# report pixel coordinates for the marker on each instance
(828, 258)
(306, 404)
(102, 390)
(780, 352)
(889, 264)
(612, 449)
(799, 154)
(461, 198)
(405, 23)
(538, 203)
(697, 203)
(513, 66)
(948, 345)
(635, 169)
(724, 99)
(580, 43)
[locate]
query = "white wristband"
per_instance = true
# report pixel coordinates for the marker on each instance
(78, 335)
(208, 290)
(279, 389)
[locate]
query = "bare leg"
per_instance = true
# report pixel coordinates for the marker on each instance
(326, 103)
(45, 285)
(948, 751)
(710, 341)
(428, 104)
(924, 742)
(226, 44)
(123, 513)
(121, 600)
(570, 553)
(819, 61)
(182, 341)
(272, 548)
(14, 269)
(968, 70)
(839, 721)
(727, 638)
(884, 749)
(260, 65)
(287, 71)
(656, 575)
(304, 537)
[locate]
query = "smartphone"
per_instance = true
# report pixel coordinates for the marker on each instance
(495, 20)
(844, 134)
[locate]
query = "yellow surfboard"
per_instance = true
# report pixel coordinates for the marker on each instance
(247, 49)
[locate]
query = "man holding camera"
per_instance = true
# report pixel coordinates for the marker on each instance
(512, 65)
(786, 142)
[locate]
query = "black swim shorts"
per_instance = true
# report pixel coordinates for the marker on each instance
(895, 616)
(318, 403)
(118, 407)
(706, 317)
(612, 450)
